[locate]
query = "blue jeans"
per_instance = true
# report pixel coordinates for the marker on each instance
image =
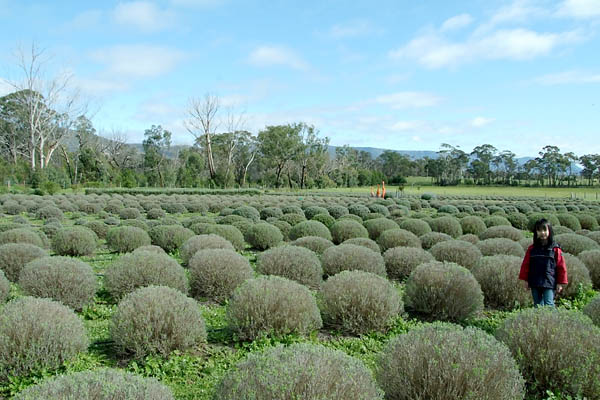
(542, 296)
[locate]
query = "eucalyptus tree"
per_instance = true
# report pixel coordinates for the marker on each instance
(191, 168)
(156, 163)
(533, 170)
(480, 167)
(571, 158)
(279, 145)
(13, 132)
(591, 165)
(506, 166)
(202, 123)
(85, 140)
(552, 163)
(245, 155)
(346, 166)
(48, 104)
(453, 162)
(312, 154)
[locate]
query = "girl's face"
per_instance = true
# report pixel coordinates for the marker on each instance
(543, 232)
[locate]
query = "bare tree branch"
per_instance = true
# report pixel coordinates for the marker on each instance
(50, 104)
(202, 124)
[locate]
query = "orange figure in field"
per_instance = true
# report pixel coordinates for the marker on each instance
(383, 189)
(378, 191)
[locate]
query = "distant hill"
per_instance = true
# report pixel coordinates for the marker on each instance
(376, 152)
(173, 151)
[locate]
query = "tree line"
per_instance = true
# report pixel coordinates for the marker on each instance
(46, 135)
(291, 155)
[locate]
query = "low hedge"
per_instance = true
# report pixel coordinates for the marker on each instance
(100, 384)
(292, 262)
(272, 305)
(443, 291)
(352, 257)
(156, 320)
(359, 302)
(216, 273)
(64, 279)
(445, 361)
(299, 371)
(38, 335)
(124, 239)
(556, 350)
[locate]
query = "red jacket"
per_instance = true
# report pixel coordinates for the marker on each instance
(561, 267)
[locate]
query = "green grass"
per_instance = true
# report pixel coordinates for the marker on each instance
(418, 187)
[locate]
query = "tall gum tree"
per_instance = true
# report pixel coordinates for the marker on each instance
(49, 104)
(202, 123)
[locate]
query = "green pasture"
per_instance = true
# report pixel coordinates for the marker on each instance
(420, 185)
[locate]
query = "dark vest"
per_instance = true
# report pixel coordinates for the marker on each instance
(542, 267)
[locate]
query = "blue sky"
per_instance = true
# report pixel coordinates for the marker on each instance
(405, 75)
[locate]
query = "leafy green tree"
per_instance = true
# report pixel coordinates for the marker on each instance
(506, 166)
(533, 170)
(127, 178)
(86, 139)
(92, 166)
(244, 156)
(279, 145)
(312, 155)
(156, 163)
(347, 162)
(571, 158)
(394, 165)
(191, 168)
(453, 163)
(13, 135)
(434, 168)
(552, 163)
(365, 177)
(480, 167)
(590, 163)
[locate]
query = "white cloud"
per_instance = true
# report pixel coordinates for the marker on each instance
(456, 22)
(433, 51)
(99, 86)
(401, 100)
(138, 61)
(352, 29)
(265, 56)
(402, 126)
(579, 8)
(568, 77)
(143, 15)
(86, 19)
(521, 44)
(479, 122)
(519, 11)
(496, 38)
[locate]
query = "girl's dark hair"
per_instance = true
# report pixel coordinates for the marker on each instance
(539, 224)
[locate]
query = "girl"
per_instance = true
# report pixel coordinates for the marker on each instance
(543, 268)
